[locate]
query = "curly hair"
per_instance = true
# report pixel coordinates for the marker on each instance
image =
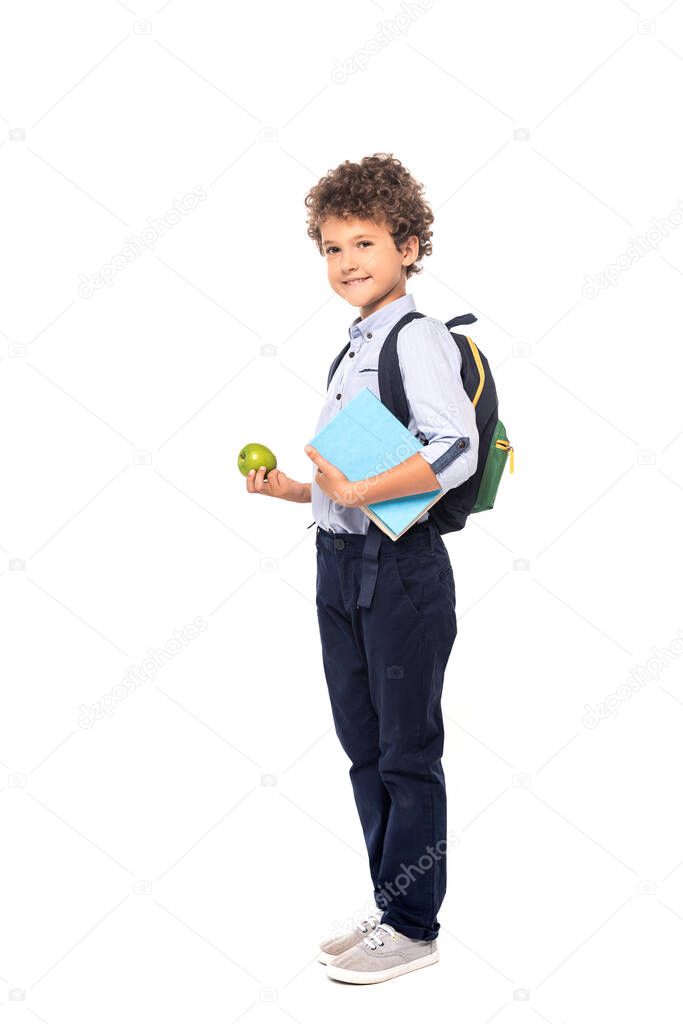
(378, 188)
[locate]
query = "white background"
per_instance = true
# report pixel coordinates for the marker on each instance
(147, 871)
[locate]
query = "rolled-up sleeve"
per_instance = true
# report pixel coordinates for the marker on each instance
(441, 409)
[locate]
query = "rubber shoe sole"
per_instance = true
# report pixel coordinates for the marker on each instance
(371, 977)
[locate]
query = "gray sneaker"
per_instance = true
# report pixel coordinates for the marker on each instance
(381, 955)
(334, 947)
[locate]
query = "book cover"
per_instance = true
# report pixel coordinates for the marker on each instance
(365, 439)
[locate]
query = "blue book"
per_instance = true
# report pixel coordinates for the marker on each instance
(365, 439)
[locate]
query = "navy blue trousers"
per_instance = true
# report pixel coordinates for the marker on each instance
(384, 666)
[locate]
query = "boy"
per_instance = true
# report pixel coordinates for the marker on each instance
(386, 610)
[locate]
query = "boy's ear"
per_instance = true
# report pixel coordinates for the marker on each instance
(411, 247)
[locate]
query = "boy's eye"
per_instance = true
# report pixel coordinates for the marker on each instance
(331, 247)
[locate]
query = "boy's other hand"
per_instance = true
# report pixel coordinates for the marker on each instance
(276, 485)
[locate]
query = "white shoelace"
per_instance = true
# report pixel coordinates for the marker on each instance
(370, 923)
(374, 939)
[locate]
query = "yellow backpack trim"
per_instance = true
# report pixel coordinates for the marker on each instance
(505, 445)
(477, 359)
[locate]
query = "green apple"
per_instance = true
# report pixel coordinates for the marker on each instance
(253, 456)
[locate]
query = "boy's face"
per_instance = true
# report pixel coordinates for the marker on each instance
(364, 249)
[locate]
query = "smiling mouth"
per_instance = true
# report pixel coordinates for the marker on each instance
(356, 281)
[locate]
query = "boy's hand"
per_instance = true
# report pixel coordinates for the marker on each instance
(276, 485)
(331, 480)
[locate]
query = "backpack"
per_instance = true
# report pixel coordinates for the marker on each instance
(478, 492)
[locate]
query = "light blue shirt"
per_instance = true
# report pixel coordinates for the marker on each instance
(440, 408)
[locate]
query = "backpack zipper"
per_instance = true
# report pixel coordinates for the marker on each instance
(507, 447)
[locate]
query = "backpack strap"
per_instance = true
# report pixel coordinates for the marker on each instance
(335, 363)
(390, 382)
(464, 318)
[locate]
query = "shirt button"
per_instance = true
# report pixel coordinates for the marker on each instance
(351, 355)
(369, 335)
(339, 395)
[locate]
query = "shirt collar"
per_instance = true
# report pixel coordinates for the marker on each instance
(383, 319)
